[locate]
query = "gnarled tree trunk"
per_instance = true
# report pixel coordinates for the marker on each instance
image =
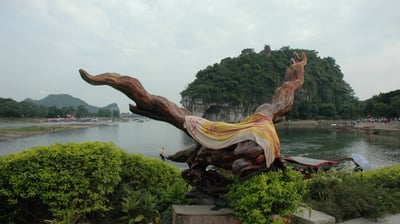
(245, 157)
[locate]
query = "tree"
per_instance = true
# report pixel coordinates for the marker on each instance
(380, 109)
(104, 113)
(29, 109)
(384, 105)
(327, 110)
(65, 111)
(54, 112)
(9, 108)
(395, 107)
(81, 111)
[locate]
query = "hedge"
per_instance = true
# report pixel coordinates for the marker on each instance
(370, 194)
(78, 182)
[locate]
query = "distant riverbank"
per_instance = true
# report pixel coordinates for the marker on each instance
(35, 128)
(12, 132)
(389, 128)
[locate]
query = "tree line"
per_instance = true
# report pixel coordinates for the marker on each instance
(251, 79)
(384, 105)
(25, 109)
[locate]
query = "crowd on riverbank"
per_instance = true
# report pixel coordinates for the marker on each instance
(369, 127)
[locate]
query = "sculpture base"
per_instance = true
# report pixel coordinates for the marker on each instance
(202, 214)
(304, 216)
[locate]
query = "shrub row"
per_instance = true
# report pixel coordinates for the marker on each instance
(99, 183)
(82, 182)
(343, 194)
(350, 195)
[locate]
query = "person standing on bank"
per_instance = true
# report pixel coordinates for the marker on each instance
(162, 154)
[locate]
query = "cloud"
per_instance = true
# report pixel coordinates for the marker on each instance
(44, 93)
(165, 43)
(373, 72)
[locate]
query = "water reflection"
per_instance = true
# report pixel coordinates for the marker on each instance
(379, 150)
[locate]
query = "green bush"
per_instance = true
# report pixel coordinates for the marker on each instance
(140, 207)
(46, 181)
(388, 180)
(264, 196)
(350, 195)
(388, 177)
(153, 175)
(81, 182)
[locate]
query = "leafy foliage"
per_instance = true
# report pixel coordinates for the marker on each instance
(84, 182)
(345, 195)
(388, 179)
(258, 199)
(140, 207)
(11, 108)
(251, 79)
(155, 176)
(384, 105)
(59, 177)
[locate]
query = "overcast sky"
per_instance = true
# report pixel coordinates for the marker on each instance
(165, 43)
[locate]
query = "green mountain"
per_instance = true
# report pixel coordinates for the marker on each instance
(66, 100)
(251, 78)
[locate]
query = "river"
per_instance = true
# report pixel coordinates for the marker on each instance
(149, 136)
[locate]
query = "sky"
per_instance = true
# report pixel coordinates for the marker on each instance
(164, 43)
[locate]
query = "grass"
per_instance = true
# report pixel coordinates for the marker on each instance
(32, 129)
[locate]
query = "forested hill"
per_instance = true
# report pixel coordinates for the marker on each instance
(66, 100)
(52, 106)
(251, 78)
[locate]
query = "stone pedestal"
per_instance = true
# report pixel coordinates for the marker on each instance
(312, 217)
(202, 214)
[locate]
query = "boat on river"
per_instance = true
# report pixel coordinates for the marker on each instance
(308, 166)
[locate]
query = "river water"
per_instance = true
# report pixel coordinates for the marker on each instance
(149, 136)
